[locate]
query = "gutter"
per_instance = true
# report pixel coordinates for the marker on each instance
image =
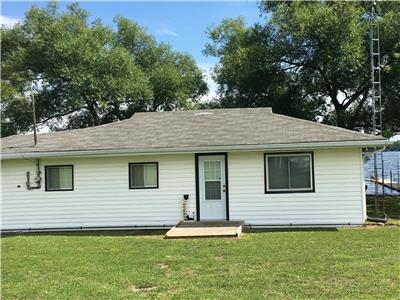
(176, 150)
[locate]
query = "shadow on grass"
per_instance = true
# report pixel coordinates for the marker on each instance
(287, 229)
(148, 232)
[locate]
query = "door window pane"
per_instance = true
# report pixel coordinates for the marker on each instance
(212, 170)
(212, 190)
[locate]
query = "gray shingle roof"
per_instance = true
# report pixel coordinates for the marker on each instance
(183, 129)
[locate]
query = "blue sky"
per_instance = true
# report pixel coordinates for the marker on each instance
(181, 24)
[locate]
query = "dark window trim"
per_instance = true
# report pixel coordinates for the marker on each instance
(289, 191)
(46, 180)
(145, 187)
(196, 162)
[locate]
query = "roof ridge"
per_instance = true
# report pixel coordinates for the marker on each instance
(206, 109)
(327, 126)
(141, 112)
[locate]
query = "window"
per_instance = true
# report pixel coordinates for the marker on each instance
(143, 175)
(291, 172)
(212, 180)
(59, 178)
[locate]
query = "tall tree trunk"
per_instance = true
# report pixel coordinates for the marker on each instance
(92, 111)
(339, 109)
(340, 116)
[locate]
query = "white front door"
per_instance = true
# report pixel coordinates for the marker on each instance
(212, 187)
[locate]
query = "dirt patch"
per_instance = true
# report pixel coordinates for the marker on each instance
(142, 288)
(219, 257)
(163, 266)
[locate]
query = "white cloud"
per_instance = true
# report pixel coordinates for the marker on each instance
(8, 21)
(166, 31)
(212, 85)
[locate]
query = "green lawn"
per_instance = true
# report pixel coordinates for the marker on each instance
(360, 263)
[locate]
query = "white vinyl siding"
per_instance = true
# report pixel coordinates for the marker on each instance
(338, 196)
(102, 198)
(101, 195)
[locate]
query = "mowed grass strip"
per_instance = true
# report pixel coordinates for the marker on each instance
(360, 263)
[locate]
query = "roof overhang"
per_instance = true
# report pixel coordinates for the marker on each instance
(223, 148)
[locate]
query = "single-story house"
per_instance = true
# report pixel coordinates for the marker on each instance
(158, 168)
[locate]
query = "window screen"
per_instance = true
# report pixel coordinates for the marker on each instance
(143, 175)
(59, 178)
(289, 172)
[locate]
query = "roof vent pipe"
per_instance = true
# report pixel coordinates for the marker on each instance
(34, 120)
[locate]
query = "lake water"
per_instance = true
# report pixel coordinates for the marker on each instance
(391, 160)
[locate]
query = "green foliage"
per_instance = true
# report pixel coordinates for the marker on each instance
(310, 59)
(360, 263)
(394, 147)
(391, 94)
(88, 74)
(245, 75)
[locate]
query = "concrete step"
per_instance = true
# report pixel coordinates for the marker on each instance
(201, 229)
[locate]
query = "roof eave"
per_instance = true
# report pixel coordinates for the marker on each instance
(175, 150)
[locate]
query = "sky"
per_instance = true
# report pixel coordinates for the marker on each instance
(182, 24)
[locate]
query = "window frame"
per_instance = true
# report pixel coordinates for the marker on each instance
(46, 180)
(267, 190)
(131, 175)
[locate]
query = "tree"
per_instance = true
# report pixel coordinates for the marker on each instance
(245, 76)
(322, 50)
(391, 94)
(88, 74)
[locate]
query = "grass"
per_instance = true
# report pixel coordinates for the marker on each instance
(357, 263)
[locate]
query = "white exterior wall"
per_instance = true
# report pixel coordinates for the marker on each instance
(102, 197)
(338, 198)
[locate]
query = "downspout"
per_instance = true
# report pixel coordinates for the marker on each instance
(37, 178)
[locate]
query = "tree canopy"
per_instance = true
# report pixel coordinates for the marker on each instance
(88, 74)
(309, 59)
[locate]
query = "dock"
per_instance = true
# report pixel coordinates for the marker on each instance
(387, 183)
(204, 229)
